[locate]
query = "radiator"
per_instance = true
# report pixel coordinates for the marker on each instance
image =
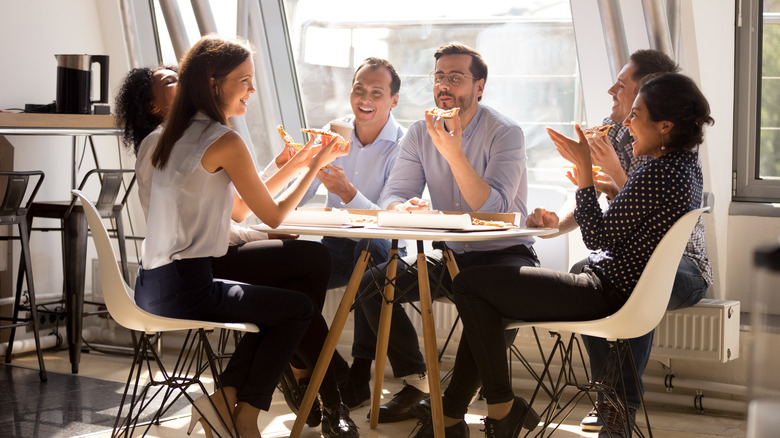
(709, 330)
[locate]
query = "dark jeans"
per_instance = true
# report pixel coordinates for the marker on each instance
(186, 289)
(345, 254)
(689, 287)
(403, 348)
(486, 296)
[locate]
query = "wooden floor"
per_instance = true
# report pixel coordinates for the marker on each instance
(88, 402)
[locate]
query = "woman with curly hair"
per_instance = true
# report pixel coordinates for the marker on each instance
(143, 101)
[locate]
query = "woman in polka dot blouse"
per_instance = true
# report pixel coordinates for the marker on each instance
(666, 122)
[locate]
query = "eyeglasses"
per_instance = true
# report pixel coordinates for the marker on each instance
(454, 79)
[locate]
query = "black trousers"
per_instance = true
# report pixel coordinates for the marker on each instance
(186, 289)
(486, 296)
(298, 265)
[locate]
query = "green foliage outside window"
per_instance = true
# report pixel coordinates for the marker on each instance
(769, 165)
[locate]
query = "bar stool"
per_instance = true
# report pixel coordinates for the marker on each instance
(74, 245)
(13, 211)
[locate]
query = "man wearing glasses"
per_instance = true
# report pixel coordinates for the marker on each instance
(474, 162)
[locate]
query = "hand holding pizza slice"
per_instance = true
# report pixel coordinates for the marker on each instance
(597, 131)
(327, 136)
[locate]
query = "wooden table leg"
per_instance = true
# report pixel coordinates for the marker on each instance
(431, 353)
(452, 266)
(330, 344)
(382, 336)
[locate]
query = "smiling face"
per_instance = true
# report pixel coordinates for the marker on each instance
(623, 92)
(163, 90)
(371, 97)
(234, 89)
(646, 133)
(464, 95)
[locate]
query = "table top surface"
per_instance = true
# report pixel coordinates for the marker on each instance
(401, 233)
(57, 124)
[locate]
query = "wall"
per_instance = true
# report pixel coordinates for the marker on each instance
(34, 31)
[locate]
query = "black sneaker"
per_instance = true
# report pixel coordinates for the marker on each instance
(400, 407)
(294, 391)
(337, 423)
(521, 415)
(355, 395)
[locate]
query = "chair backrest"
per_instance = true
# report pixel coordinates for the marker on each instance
(111, 181)
(554, 252)
(647, 304)
(12, 203)
(119, 296)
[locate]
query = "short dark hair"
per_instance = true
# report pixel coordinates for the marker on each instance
(676, 98)
(377, 63)
(478, 68)
(649, 61)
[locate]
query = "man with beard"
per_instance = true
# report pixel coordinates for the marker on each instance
(474, 162)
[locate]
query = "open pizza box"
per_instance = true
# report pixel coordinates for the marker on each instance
(445, 220)
(327, 216)
(423, 219)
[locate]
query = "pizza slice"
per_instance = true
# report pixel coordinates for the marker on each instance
(500, 224)
(288, 140)
(597, 131)
(443, 113)
(327, 136)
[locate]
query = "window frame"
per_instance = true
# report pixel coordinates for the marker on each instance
(747, 185)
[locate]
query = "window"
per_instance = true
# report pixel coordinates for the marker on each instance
(757, 141)
(529, 48)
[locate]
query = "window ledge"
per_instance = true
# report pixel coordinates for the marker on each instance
(762, 209)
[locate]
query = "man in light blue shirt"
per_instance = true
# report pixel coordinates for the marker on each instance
(355, 181)
(473, 162)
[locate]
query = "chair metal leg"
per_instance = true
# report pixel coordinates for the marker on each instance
(194, 358)
(25, 271)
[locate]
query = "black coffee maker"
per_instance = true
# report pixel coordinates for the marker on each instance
(74, 82)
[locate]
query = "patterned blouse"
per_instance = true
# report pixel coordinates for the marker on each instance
(696, 249)
(625, 235)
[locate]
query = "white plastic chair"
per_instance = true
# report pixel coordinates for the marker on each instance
(553, 253)
(641, 313)
(122, 308)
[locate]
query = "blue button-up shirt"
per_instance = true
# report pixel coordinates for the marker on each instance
(495, 147)
(367, 167)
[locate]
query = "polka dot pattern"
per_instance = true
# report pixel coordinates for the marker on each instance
(624, 236)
